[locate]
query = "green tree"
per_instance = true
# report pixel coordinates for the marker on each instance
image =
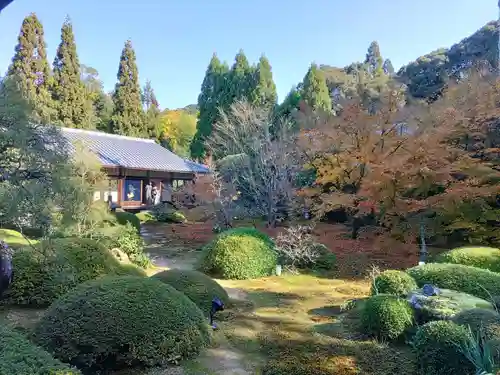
(373, 60)
(315, 91)
(388, 67)
(101, 101)
(152, 108)
(30, 69)
(74, 109)
(264, 91)
(211, 98)
(128, 114)
(240, 80)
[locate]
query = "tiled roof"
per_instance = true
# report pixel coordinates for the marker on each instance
(128, 152)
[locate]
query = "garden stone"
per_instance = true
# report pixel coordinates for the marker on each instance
(444, 305)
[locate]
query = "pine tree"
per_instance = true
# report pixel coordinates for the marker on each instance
(315, 91)
(388, 67)
(212, 96)
(31, 70)
(374, 61)
(74, 109)
(240, 80)
(264, 89)
(152, 109)
(128, 115)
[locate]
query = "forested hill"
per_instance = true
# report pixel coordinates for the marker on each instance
(426, 76)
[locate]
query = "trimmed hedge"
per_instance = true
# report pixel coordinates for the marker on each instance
(487, 258)
(437, 346)
(200, 288)
(394, 282)
(240, 253)
(53, 267)
(122, 321)
(386, 316)
(124, 217)
(165, 213)
(471, 280)
(18, 356)
(145, 216)
(481, 321)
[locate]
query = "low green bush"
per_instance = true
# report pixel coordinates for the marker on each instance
(475, 281)
(481, 321)
(124, 217)
(387, 316)
(125, 238)
(165, 213)
(327, 260)
(127, 321)
(437, 346)
(18, 356)
(394, 282)
(200, 288)
(53, 267)
(145, 216)
(240, 253)
(487, 258)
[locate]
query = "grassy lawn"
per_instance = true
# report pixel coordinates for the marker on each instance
(14, 239)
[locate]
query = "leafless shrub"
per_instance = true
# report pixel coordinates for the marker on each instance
(296, 247)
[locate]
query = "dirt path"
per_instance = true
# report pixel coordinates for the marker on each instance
(171, 251)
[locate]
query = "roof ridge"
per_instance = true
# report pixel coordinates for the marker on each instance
(103, 134)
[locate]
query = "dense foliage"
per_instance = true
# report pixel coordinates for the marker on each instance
(121, 322)
(18, 356)
(475, 281)
(437, 345)
(241, 253)
(482, 322)
(394, 282)
(127, 217)
(487, 258)
(387, 316)
(200, 288)
(49, 269)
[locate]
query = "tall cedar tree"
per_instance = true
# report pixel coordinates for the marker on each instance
(264, 91)
(31, 70)
(152, 109)
(315, 91)
(101, 101)
(240, 80)
(128, 115)
(74, 108)
(388, 67)
(212, 96)
(374, 61)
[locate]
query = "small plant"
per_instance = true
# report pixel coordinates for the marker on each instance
(395, 282)
(475, 349)
(296, 247)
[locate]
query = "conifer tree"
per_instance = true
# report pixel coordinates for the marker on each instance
(388, 67)
(315, 91)
(74, 109)
(212, 96)
(374, 61)
(152, 108)
(240, 80)
(264, 89)
(128, 115)
(30, 69)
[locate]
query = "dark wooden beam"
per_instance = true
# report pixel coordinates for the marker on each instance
(4, 3)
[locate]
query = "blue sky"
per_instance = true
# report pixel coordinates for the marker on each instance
(174, 40)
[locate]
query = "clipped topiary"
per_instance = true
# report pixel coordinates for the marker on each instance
(475, 281)
(481, 321)
(437, 346)
(386, 316)
(241, 253)
(394, 282)
(124, 217)
(487, 258)
(145, 216)
(18, 356)
(200, 288)
(120, 322)
(165, 213)
(51, 268)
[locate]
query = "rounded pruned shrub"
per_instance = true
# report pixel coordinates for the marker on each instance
(386, 316)
(472, 280)
(487, 258)
(241, 253)
(438, 348)
(18, 356)
(200, 288)
(124, 217)
(484, 322)
(51, 268)
(145, 216)
(394, 282)
(122, 321)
